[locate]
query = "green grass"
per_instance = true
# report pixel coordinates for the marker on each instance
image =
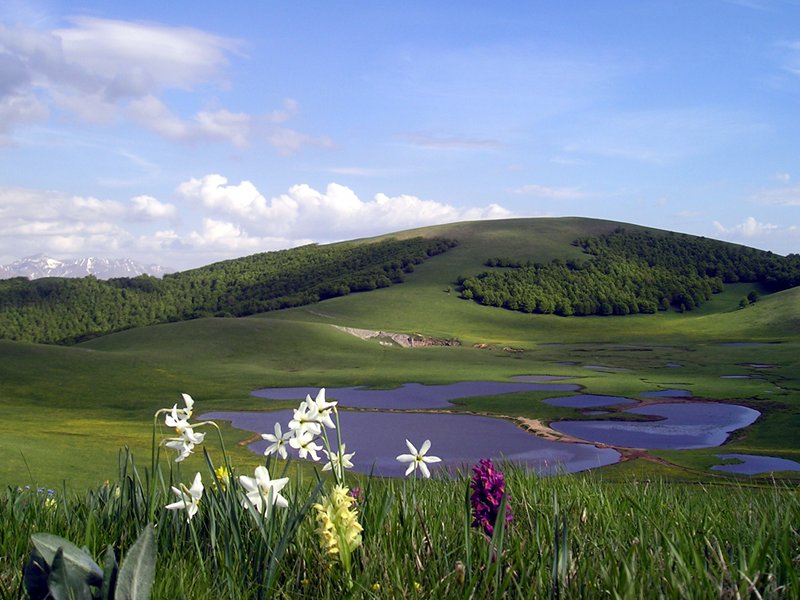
(571, 537)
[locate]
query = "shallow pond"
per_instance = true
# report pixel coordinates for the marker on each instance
(588, 401)
(753, 465)
(415, 395)
(684, 426)
(459, 440)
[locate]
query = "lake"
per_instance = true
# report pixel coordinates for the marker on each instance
(683, 426)
(459, 440)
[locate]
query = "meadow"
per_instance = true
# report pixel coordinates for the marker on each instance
(66, 412)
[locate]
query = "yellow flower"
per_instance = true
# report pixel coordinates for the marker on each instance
(223, 476)
(338, 527)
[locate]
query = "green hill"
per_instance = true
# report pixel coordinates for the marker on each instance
(82, 402)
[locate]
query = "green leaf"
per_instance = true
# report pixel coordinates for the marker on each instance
(110, 572)
(48, 545)
(66, 583)
(138, 569)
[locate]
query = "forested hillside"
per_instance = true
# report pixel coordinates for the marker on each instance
(629, 272)
(68, 310)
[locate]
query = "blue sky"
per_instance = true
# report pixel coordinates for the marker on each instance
(183, 133)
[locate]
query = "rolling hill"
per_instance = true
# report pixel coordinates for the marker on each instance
(95, 396)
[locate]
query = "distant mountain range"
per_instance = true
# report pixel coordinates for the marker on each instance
(35, 267)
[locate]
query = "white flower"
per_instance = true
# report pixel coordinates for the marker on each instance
(180, 416)
(278, 440)
(324, 408)
(338, 461)
(418, 459)
(263, 492)
(304, 443)
(305, 419)
(189, 500)
(185, 444)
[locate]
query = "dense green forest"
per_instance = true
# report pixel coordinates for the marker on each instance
(628, 272)
(64, 310)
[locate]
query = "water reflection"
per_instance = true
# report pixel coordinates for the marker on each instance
(754, 465)
(460, 440)
(684, 426)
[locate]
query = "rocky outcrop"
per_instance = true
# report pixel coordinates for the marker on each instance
(405, 340)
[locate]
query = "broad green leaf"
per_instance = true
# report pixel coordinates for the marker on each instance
(110, 572)
(138, 569)
(65, 582)
(48, 544)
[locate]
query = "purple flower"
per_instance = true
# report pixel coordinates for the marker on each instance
(488, 487)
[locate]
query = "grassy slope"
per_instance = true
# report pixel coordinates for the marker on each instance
(118, 381)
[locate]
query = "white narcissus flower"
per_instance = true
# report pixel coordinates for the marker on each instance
(304, 444)
(263, 492)
(278, 440)
(189, 499)
(338, 461)
(305, 419)
(185, 444)
(324, 409)
(418, 458)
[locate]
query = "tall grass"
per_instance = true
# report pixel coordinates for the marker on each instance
(571, 537)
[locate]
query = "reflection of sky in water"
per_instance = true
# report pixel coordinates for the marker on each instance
(753, 465)
(459, 440)
(588, 401)
(414, 395)
(695, 425)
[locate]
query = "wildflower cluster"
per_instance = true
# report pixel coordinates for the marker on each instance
(310, 423)
(488, 488)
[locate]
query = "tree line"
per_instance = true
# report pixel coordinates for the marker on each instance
(61, 310)
(629, 272)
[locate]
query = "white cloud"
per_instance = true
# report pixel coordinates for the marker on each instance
(550, 193)
(135, 58)
(783, 196)
(100, 71)
(152, 113)
(147, 207)
(328, 215)
(288, 141)
(750, 228)
(33, 221)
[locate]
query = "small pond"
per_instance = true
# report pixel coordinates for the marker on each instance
(459, 440)
(588, 401)
(684, 426)
(753, 465)
(414, 395)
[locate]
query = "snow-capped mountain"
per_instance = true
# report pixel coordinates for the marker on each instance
(34, 267)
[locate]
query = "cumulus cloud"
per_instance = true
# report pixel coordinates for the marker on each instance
(327, 215)
(33, 221)
(149, 208)
(750, 227)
